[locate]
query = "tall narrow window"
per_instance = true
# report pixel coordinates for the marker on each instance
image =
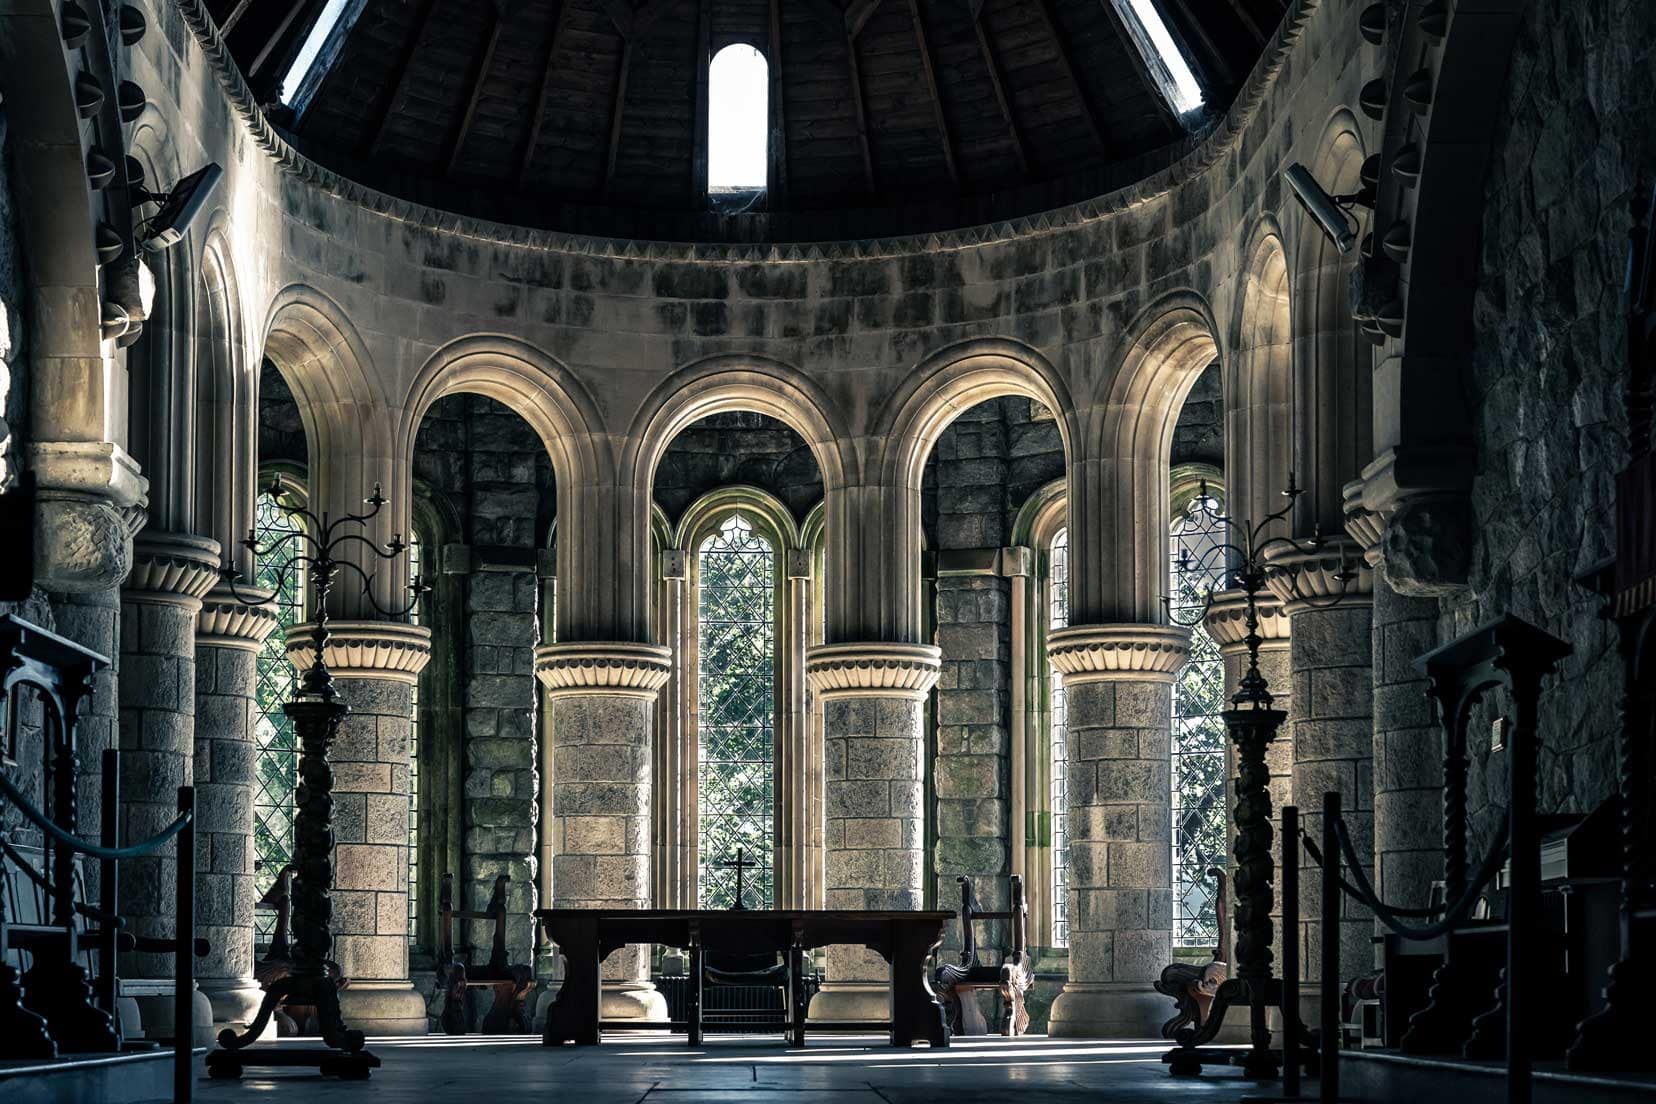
(1161, 54)
(736, 713)
(276, 766)
(1198, 733)
(416, 555)
(1058, 618)
(738, 109)
(305, 59)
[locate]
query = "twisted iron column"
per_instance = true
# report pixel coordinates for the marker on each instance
(1252, 730)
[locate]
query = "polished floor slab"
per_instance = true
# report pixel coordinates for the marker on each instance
(742, 1070)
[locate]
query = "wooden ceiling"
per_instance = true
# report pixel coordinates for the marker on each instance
(537, 111)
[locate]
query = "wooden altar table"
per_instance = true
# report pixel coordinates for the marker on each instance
(904, 939)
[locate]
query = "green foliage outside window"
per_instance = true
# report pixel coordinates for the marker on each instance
(276, 763)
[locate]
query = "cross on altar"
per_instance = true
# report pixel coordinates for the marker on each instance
(738, 864)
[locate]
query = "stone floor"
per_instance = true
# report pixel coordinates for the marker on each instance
(834, 1070)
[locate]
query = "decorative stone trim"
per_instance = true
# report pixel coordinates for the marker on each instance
(873, 670)
(1365, 526)
(226, 622)
(1105, 653)
(1299, 579)
(1227, 622)
(172, 568)
(633, 670)
(364, 649)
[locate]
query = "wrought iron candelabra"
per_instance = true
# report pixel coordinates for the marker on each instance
(1240, 562)
(311, 552)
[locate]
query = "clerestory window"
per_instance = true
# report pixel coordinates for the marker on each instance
(1167, 63)
(738, 111)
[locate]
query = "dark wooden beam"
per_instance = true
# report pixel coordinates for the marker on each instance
(929, 71)
(1066, 62)
(497, 23)
(405, 62)
(233, 18)
(701, 56)
(778, 144)
(1169, 120)
(1215, 54)
(279, 39)
(539, 117)
(620, 13)
(999, 86)
(1247, 20)
(637, 22)
(618, 106)
(862, 112)
(857, 15)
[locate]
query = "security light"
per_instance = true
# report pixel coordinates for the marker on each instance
(178, 207)
(1329, 211)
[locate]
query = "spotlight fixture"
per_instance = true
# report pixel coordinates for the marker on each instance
(1329, 211)
(178, 207)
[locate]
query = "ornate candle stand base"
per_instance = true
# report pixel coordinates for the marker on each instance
(315, 722)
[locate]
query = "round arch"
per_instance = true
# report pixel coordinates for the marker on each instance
(226, 413)
(1259, 391)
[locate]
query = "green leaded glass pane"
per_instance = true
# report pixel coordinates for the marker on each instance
(1058, 618)
(736, 722)
(276, 767)
(416, 568)
(1199, 736)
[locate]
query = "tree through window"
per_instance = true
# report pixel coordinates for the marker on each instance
(738, 109)
(1198, 733)
(736, 713)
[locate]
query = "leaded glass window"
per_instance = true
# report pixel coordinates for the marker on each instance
(1198, 731)
(736, 713)
(415, 556)
(276, 766)
(1057, 618)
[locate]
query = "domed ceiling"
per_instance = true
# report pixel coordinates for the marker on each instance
(887, 116)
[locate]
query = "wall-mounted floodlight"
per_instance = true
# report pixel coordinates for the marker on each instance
(178, 207)
(1329, 211)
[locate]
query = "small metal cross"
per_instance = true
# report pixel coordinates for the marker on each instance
(738, 864)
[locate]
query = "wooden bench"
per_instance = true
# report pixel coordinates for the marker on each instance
(1011, 978)
(291, 1018)
(511, 984)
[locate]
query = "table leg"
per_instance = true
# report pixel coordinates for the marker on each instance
(798, 1005)
(693, 996)
(915, 1011)
(573, 1017)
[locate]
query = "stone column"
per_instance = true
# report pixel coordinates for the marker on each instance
(1332, 724)
(602, 702)
(1118, 685)
(228, 635)
(873, 698)
(375, 665)
(159, 603)
(1227, 625)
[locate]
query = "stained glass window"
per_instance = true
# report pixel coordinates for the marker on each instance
(1198, 731)
(1057, 618)
(276, 767)
(736, 718)
(415, 569)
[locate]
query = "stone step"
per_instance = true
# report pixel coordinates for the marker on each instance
(134, 1078)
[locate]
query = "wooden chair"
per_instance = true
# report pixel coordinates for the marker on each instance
(277, 963)
(511, 983)
(1193, 987)
(1012, 978)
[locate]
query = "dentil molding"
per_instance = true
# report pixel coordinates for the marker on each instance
(364, 649)
(1227, 622)
(1106, 653)
(873, 670)
(172, 569)
(632, 670)
(1300, 579)
(227, 622)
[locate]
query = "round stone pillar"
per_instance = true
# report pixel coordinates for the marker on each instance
(375, 665)
(873, 698)
(159, 604)
(228, 637)
(1118, 687)
(1331, 721)
(601, 698)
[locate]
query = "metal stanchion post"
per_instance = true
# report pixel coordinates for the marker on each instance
(1329, 1063)
(1290, 952)
(184, 955)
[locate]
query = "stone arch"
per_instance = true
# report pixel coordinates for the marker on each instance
(716, 385)
(1259, 393)
(1119, 506)
(226, 411)
(1333, 364)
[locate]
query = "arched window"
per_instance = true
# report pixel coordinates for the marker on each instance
(416, 570)
(276, 766)
(1199, 737)
(1058, 618)
(738, 106)
(736, 713)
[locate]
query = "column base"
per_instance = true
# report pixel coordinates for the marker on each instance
(850, 1001)
(235, 1003)
(632, 1000)
(1106, 1010)
(383, 1008)
(154, 1000)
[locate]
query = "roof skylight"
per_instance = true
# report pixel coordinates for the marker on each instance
(1162, 55)
(738, 106)
(305, 59)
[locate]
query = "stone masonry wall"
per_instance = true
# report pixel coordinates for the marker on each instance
(738, 447)
(1549, 370)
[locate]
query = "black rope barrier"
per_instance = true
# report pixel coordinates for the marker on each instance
(22, 863)
(1316, 858)
(75, 843)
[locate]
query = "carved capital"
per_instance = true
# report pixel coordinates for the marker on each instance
(1423, 497)
(364, 649)
(1363, 525)
(634, 670)
(227, 622)
(83, 543)
(1227, 622)
(873, 670)
(1301, 579)
(175, 569)
(1130, 653)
